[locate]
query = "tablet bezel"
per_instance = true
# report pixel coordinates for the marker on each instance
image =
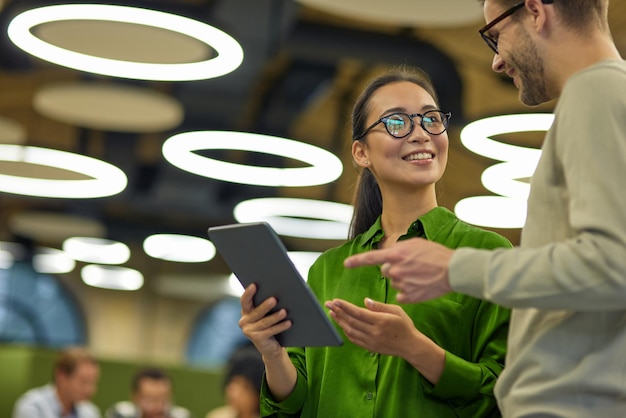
(255, 254)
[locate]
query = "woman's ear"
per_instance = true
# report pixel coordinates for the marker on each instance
(359, 154)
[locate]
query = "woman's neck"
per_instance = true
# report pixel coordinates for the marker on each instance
(400, 210)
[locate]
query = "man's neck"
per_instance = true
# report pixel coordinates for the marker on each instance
(575, 53)
(67, 407)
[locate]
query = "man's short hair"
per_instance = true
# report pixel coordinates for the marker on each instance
(67, 360)
(153, 373)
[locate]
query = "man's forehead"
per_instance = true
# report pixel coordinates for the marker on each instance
(150, 385)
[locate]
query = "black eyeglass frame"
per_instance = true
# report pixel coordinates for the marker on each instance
(384, 120)
(489, 40)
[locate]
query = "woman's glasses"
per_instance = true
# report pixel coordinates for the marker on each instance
(399, 125)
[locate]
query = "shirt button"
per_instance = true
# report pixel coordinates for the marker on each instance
(370, 395)
(372, 354)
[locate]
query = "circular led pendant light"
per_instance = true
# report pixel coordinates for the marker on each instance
(52, 261)
(509, 178)
(180, 248)
(304, 218)
(229, 52)
(105, 179)
(324, 165)
(111, 277)
(96, 250)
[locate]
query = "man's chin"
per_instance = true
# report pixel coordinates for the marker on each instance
(530, 101)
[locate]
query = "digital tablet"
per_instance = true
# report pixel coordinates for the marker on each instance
(255, 254)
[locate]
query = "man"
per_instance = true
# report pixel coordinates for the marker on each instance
(76, 375)
(151, 398)
(567, 281)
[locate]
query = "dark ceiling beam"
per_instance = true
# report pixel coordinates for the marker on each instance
(328, 44)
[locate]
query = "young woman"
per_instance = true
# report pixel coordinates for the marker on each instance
(435, 359)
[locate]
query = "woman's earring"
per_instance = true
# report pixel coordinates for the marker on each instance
(367, 162)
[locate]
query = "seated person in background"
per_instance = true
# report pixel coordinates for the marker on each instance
(151, 398)
(242, 385)
(75, 376)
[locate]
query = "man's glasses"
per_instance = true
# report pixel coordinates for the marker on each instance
(399, 125)
(490, 40)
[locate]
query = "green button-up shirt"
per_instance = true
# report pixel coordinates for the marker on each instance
(349, 381)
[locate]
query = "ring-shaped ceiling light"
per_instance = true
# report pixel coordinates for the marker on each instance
(508, 178)
(111, 277)
(52, 261)
(6, 259)
(229, 52)
(180, 248)
(492, 211)
(287, 216)
(476, 136)
(106, 179)
(324, 165)
(96, 250)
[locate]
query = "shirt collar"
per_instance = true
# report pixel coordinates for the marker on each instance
(54, 399)
(428, 226)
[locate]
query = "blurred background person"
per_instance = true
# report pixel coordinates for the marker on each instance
(242, 385)
(151, 397)
(75, 381)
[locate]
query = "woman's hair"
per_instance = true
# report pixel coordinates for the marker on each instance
(246, 362)
(367, 200)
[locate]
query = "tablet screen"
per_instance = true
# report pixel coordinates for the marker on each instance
(255, 254)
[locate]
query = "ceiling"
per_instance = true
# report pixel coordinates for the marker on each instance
(304, 64)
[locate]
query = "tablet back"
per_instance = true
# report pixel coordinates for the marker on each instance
(256, 254)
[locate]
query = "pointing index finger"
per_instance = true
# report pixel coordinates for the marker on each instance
(368, 258)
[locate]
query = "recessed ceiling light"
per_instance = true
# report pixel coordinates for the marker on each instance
(104, 179)
(229, 52)
(304, 218)
(96, 250)
(181, 248)
(324, 165)
(111, 277)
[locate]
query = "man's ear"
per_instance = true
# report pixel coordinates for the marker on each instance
(359, 154)
(59, 377)
(540, 13)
